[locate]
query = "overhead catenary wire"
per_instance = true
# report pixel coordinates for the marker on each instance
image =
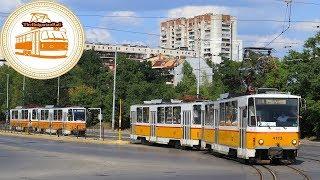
(289, 7)
(158, 35)
(4, 14)
(302, 2)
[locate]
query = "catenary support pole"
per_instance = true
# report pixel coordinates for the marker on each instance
(114, 90)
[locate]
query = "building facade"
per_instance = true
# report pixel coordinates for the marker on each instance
(210, 35)
(136, 52)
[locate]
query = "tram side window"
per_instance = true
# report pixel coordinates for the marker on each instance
(139, 114)
(24, 114)
(57, 115)
(251, 118)
(231, 113)
(209, 111)
(168, 115)
(14, 115)
(222, 121)
(160, 114)
(197, 114)
(34, 114)
(146, 115)
(44, 114)
(177, 115)
(70, 115)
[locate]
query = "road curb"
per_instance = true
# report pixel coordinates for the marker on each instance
(64, 138)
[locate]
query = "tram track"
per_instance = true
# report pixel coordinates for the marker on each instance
(262, 175)
(299, 171)
(258, 171)
(308, 158)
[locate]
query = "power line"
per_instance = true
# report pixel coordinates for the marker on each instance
(288, 10)
(158, 35)
(3, 14)
(301, 2)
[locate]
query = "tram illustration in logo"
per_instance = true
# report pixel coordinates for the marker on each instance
(44, 38)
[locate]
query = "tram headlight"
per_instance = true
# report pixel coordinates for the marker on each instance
(260, 141)
(294, 142)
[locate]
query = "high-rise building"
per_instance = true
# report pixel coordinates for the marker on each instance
(213, 35)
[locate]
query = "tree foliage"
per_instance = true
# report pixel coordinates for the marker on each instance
(188, 84)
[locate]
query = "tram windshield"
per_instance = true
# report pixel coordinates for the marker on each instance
(79, 114)
(276, 112)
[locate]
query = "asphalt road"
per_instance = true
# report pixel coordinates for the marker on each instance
(34, 159)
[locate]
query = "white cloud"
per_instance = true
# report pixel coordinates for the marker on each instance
(121, 17)
(280, 43)
(190, 11)
(307, 26)
(9, 5)
(98, 35)
(6, 6)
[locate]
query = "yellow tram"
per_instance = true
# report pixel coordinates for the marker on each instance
(49, 119)
(258, 127)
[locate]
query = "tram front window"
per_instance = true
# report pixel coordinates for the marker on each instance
(79, 115)
(277, 112)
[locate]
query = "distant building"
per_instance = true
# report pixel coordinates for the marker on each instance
(167, 64)
(205, 71)
(213, 35)
(135, 52)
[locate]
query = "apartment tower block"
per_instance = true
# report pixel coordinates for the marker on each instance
(212, 36)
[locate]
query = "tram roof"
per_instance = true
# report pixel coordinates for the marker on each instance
(47, 107)
(261, 95)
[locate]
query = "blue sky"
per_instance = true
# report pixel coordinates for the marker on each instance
(255, 33)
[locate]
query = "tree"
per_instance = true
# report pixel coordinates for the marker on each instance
(188, 84)
(304, 80)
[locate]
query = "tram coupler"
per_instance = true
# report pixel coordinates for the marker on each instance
(275, 153)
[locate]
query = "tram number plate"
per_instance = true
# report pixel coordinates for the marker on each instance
(278, 138)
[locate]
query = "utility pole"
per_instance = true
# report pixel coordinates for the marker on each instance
(7, 113)
(114, 89)
(58, 92)
(120, 119)
(23, 90)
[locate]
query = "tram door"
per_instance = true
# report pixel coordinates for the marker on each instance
(153, 124)
(186, 124)
(216, 126)
(243, 126)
